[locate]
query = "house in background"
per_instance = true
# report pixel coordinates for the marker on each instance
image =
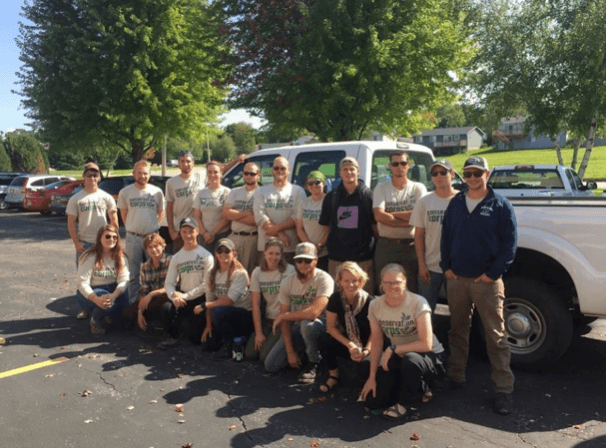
(510, 135)
(451, 140)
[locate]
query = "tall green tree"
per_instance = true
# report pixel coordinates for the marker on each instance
(25, 152)
(243, 136)
(342, 67)
(123, 72)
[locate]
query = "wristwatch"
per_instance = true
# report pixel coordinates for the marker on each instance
(393, 347)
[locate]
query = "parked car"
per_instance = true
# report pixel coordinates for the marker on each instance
(114, 184)
(538, 180)
(59, 200)
(5, 180)
(17, 188)
(40, 200)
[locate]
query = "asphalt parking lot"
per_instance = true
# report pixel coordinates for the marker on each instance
(63, 387)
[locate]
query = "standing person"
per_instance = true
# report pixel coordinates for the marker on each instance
(275, 208)
(152, 293)
(227, 309)
(347, 212)
(181, 191)
(413, 358)
(427, 217)
(308, 215)
(142, 208)
(185, 284)
(347, 326)
(392, 203)
(90, 208)
(264, 289)
(208, 208)
(103, 279)
(479, 241)
(238, 209)
(303, 298)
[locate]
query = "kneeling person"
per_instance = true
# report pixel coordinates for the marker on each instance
(303, 299)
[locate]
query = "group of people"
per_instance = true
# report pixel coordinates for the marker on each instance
(298, 280)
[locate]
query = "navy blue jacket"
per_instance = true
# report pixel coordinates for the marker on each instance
(481, 242)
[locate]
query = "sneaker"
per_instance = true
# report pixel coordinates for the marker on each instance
(95, 328)
(503, 404)
(309, 375)
(167, 343)
(82, 314)
(223, 353)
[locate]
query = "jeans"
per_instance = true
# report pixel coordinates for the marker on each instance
(431, 291)
(133, 248)
(305, 338)
(97, 313)
(231, 322)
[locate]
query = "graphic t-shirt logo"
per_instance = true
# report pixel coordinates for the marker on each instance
(347, 217)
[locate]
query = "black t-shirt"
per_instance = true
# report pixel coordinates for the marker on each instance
(350, 219)
(335, 305)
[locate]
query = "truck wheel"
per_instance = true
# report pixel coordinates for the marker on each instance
(538, 323)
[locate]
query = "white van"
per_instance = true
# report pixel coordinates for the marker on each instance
(372, 156)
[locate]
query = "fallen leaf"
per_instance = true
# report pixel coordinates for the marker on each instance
(317, 400)
(187, 445)
(366, 417)
(314, 444)
(180, 375)
(232, 427)
(180, 421)
(50, 375)
(63, 348)
(130, 408)
(2, 341)
(414, 436)
(36, 355)
(178, 408)
(153, 401)
(88, 421)
(86, 393)
(62, 394)
(577, 426)
(290, 439)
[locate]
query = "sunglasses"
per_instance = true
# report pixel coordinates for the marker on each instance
(314, 183)
(468, 174)
(396, 164)
(438, 173)
(396, 283)
(250, 173)
(111, 237)
(92, 175)
(279, 168)
(223, 250)
(303, 260)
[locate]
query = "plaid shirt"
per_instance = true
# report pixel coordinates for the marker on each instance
(153, 278)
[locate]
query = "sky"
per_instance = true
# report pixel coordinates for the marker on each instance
(11, 113)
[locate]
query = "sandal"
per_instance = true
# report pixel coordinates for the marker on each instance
(395, 412)
(327, 386)
(427, 397)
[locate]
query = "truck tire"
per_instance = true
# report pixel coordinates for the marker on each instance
(538, 323)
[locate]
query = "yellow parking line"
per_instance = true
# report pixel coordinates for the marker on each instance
(38, 365)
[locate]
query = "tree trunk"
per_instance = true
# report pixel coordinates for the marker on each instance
(588, 147)
(575, 153)
(558, 150)
(138, 150)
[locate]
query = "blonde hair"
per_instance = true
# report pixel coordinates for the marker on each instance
(355, 269)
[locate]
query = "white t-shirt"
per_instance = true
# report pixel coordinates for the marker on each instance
(267, 283)
(241, 200)
(188, 269)
(277, 205)
(309, 213)
(399, 324)
(182, 192)
(91, 210)
(91, 277)
(143, 206)
(299, 295)
(388, 198)
(429, 214)
(210, 203)
(236, 289)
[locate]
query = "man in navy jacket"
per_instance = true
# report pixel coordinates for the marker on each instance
(479, 241)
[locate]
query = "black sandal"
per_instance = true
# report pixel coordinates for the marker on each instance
(395, 412)
(325, 388)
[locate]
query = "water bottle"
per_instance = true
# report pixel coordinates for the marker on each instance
(238, 348)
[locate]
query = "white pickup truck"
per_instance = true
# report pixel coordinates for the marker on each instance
(558, 276)
(538, 180)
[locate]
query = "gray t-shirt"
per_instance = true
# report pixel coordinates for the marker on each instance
(91, 210)
(267, 283)
(241, 200)
(299, 295)
(309, 213)
(210, 203)
(182, 192)
(188, 270)
(429, 214)
(399, 324)
(236, 289)
(143, 206)
(388, 198)
(91, 277)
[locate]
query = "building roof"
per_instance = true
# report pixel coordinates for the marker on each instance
(452, 131)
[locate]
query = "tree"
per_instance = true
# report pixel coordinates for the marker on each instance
(222, 148)
(243, 136)
(341, 67)
(25, 152)
(5, 161)
(450, 116)
(124, 72)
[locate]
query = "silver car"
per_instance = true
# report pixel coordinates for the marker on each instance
(16, 190)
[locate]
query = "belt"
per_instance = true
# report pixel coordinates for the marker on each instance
(246, 233)
(400, 241)
(142, 235)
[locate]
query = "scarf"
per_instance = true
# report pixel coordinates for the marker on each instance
(351, 326)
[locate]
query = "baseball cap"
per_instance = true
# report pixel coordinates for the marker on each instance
(226, 242)
(306, 250)
(349, 160)
(476, 162)
(443, 163)
(317, 175)
(91, 166)
(191, 222)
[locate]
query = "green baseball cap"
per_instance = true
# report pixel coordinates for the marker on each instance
(316, 175)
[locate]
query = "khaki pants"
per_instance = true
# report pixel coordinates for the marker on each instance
(367, 266)
(401, 252)
(487, 298)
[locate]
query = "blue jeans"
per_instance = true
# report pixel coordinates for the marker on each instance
(133, 248)
(305, 337)
(431, 291)
(97, 314)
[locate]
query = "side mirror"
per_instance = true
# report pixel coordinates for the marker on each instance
(591, 185)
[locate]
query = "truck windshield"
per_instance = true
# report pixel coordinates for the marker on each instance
(534, 178)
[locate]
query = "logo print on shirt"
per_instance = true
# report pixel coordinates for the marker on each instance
(347, 217)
